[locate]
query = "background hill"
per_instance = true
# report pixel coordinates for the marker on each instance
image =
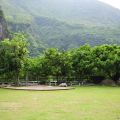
(63, 23)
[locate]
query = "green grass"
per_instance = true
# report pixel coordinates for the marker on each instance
(82, 103)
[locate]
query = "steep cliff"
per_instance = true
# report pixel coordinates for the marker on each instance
(3, 26)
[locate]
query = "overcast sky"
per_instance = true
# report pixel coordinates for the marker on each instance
(114, 3)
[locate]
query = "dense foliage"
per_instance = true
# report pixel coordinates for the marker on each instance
(74, 64)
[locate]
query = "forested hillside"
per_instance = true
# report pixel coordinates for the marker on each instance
(63, 24)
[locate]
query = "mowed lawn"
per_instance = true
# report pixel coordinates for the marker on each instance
(82, 103)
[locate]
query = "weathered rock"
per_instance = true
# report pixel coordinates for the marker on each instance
(63, 85)
(3, 26)
(118, 83)
(108, 83)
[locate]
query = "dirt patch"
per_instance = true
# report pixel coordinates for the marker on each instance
(40, 88)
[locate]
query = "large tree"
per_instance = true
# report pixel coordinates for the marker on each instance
(82, 61)
(14, 53)
(107, 61)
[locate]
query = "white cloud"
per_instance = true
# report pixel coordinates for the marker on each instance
(114, 3)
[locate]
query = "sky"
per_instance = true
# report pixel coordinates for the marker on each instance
(114, 3)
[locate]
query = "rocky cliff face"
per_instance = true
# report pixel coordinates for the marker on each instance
(3, 26)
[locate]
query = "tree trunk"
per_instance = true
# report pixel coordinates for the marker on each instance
(26, 78)
(116, 77)
(18, 80)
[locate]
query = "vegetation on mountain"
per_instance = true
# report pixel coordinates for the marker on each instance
(53, 39)
(63, 24)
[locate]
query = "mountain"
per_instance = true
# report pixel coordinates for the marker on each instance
(63, 23)
(3, 27)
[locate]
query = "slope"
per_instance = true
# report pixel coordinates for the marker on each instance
(63, 24)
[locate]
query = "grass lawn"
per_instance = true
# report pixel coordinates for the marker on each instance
(82, 103)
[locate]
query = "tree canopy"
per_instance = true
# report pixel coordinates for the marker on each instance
(84, 61)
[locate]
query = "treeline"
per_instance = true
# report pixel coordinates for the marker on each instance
(83, 62)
